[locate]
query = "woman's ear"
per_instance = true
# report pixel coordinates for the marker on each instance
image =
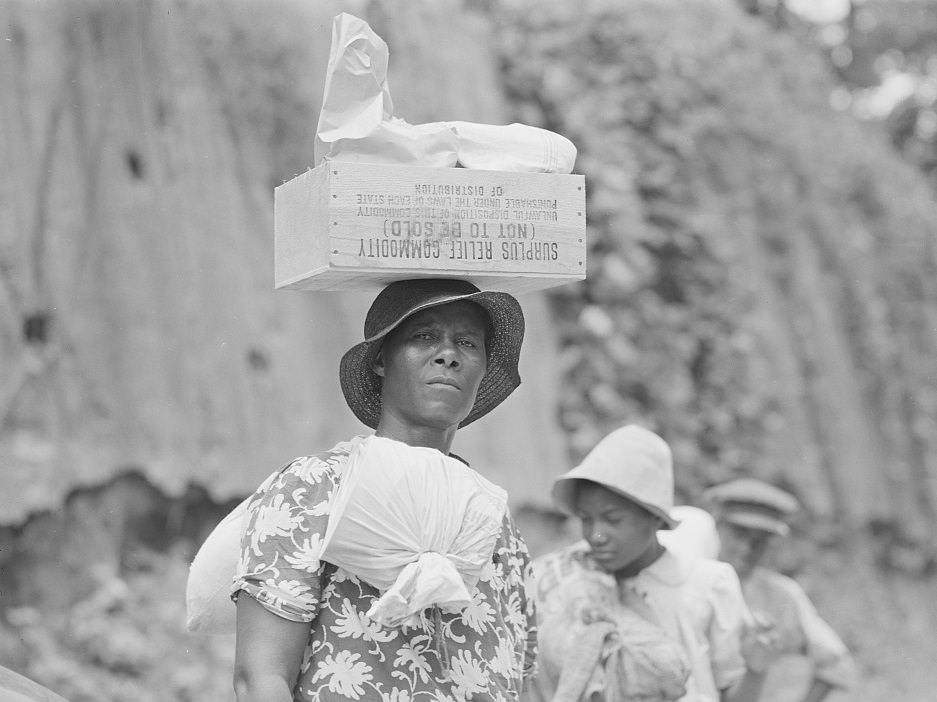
(377, 365)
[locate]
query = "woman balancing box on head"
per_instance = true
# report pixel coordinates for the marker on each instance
(386, 568)
(437, 355)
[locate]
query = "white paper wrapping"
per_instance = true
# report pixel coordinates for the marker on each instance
(357, 121)
(513, 147)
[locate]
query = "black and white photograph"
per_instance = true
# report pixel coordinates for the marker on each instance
(468, 350)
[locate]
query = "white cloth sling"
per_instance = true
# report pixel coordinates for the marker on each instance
(417, 525)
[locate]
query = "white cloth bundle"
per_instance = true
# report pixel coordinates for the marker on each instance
(598, 637)
(209, 609)
(417, 525)
(357, 120)
(513, 147)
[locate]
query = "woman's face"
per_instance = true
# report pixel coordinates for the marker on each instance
(432, 365)
(742, 548)
(619, 531)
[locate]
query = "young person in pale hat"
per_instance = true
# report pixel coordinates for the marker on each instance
(693, 642)
(437, 354)
(751, 515)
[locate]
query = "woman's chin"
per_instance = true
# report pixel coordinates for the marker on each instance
(608, 563)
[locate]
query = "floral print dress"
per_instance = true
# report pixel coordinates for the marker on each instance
(483, 653)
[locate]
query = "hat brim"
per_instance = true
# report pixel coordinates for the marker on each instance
(361, 386)
(757, 522)
(566, 488)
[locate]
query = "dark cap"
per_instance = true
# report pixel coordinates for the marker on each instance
(754, 504)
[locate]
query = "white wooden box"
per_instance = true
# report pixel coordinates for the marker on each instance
(354, 226)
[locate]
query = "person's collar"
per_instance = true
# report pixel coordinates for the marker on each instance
(671, 568)
(648, 559)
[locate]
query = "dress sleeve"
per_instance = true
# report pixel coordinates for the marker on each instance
(730, 614)
(528, 601)
(281, 540)
(832, 661)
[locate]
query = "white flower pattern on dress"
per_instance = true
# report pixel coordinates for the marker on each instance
(504, 661)
(482, 653)
(479, 615)
(355, 624)
(345, 674)
(271, 520)
(414, 661)
(396, 695)
(306, 557)
(468, 673)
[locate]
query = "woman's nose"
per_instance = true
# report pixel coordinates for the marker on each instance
(447, 355)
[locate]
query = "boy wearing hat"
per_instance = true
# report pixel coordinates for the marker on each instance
(751, 515)
(437, 355)
(622, 492)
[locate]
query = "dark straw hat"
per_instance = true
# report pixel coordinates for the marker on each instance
(362, 386)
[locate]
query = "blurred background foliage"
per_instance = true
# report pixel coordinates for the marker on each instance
(761, 289)
(722, 170)
(883, 55)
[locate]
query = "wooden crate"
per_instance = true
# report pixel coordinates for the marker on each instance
(354, 226)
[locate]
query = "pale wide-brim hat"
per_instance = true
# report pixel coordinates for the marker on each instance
(633, 462)
(362, 386)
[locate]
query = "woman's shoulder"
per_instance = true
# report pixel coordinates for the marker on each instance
(321, 469)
